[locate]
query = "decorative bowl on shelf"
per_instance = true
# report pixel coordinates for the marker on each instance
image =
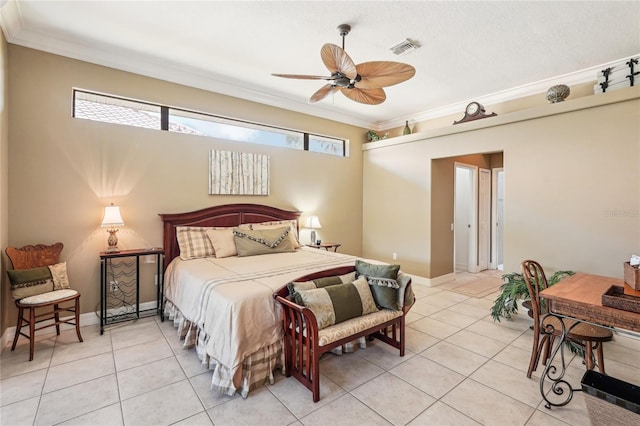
(558, 93)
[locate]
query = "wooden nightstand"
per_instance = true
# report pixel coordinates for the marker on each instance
(120, 285)
(325, 246)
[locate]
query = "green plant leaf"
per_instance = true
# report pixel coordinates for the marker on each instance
(514, 289)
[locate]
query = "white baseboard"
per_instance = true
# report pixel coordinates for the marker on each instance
(432, 282)
(86, 319)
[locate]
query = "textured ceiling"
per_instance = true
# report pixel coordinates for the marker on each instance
(479, 50)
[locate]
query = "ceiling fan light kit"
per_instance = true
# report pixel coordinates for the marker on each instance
(361, 83)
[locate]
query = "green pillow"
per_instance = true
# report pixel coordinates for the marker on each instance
(30, 282)
(296, 286)
(263, 241)
(337, 303)
(382, 279)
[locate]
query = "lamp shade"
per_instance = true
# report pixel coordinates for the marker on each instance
(112, 216)
(313, 222)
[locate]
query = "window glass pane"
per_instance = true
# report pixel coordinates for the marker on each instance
(217, 127)
(326, 145)
(107, 109)
(112, 109)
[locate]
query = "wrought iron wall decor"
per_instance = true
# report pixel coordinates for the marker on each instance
(238, 173)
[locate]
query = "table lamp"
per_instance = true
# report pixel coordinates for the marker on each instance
(314, 223)
(111, 219)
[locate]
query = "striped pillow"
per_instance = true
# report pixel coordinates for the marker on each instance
(30, 282)
(338, 303)
(295, 286)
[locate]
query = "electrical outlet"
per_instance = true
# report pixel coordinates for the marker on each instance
(395, 256)
(114, 286)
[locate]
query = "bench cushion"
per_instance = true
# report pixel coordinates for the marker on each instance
(353, 326)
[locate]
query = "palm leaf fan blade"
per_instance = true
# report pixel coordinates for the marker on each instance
(303, 76)
(377, 74)
(337, 60)
(322, 93)
(365, 96)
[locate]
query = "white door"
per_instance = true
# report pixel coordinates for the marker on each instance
(465, 217)
(484, 219)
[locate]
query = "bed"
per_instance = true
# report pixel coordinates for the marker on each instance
(225, 306)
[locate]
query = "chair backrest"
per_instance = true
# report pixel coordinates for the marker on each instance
(536, 281)
(36, 270)
(33, 256)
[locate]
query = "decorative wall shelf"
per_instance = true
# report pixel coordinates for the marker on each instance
(586, 102)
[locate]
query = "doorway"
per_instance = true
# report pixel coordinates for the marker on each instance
(478, 199)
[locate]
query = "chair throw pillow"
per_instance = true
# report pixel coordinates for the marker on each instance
(338, 303)
(264, 241)
(30, 282)
(382, 279)
(59, 276)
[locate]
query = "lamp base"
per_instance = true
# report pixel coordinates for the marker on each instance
(112, 241)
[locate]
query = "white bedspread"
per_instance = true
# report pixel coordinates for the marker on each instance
(231, 299)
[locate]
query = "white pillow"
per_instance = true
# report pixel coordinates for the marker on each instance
(223, 242)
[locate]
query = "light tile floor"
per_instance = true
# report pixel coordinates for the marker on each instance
(460, 368)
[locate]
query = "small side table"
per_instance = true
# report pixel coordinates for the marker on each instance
(325, 246)
(120, 286)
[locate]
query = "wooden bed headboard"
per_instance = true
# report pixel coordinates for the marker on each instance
(224, 215)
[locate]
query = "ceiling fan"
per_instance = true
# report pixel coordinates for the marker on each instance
(361, 83)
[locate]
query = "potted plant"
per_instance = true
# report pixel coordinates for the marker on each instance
(515, 289)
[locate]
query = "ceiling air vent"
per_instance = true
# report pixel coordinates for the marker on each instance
(405, 46)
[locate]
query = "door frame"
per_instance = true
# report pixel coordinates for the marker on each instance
(493, 264)
(484, 219)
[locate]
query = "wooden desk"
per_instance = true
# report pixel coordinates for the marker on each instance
(580, 296)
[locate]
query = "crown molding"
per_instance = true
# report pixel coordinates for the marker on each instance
(15, 32)
(578, 77)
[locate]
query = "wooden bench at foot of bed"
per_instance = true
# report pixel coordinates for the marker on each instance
(305, 345)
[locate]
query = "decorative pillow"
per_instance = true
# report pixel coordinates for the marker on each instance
(296, 286)
(293, 234)
(222, 241)
(194, 242)
(59, 276)
(382, 279)
(264, 241)
(337, 303)
(30, 282)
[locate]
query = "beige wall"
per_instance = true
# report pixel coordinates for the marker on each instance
(524, 103)
(4, 178)
(63, 171)
(572, 187)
